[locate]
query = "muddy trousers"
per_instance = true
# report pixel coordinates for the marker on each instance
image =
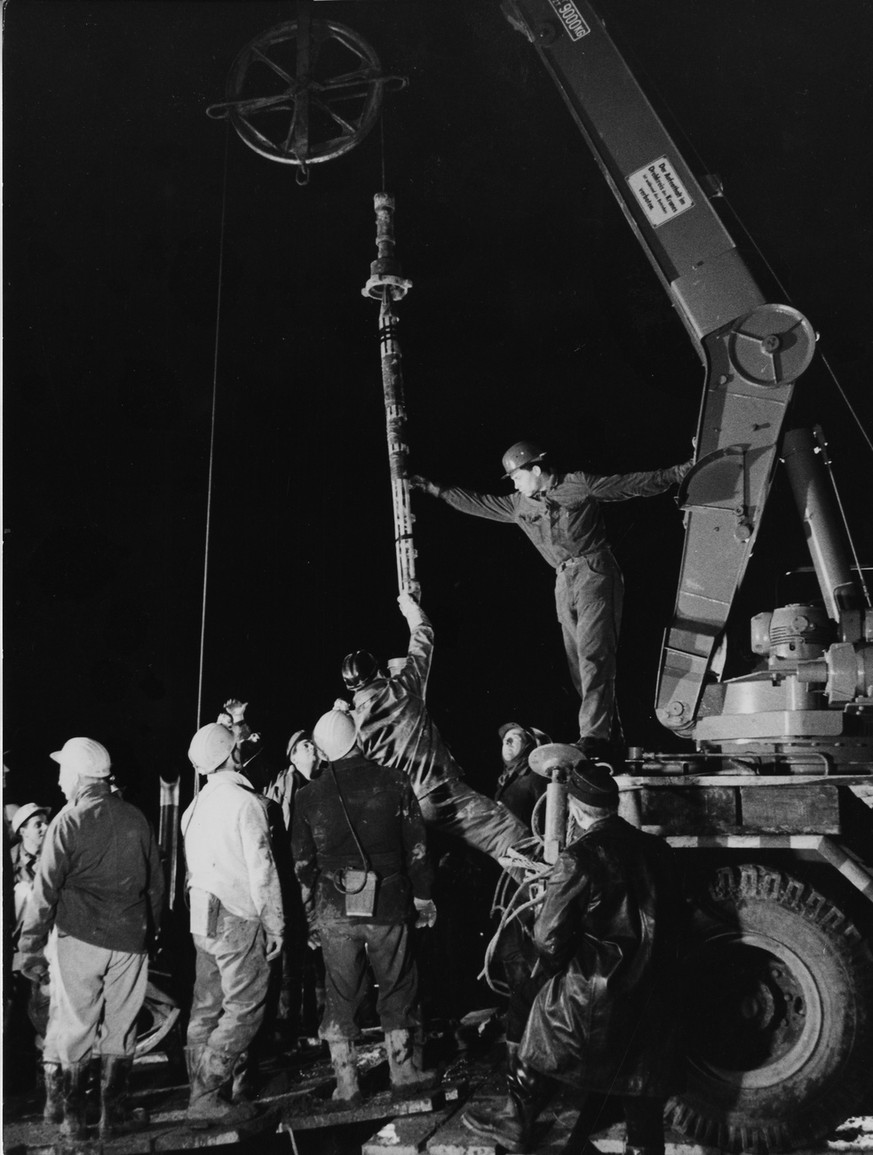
(347, 947)
(96, 996)
(230, 985)
(589, 594)
(456, 808)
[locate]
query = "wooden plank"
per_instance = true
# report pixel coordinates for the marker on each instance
(406, 1136)
(791, 809)
(708, 810)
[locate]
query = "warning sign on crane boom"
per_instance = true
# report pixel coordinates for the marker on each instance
(660, 192)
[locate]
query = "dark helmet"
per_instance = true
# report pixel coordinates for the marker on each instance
(359, 668)
(521, 454)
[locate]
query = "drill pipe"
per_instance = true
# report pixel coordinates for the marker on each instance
(387, 285)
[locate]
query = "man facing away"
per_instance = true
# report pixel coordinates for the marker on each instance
(237, 923)
(361, 817)
(560, 513)
(100, 883)
(395, 729)
(603, 1002)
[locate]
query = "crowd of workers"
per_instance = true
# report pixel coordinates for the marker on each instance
(334, 859)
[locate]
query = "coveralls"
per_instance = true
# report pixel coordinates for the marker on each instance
(396, 730)
(100, 883)
(229, 856)
(387, 821)
(565, 524)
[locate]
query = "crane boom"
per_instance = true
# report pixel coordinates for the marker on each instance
(752, 351)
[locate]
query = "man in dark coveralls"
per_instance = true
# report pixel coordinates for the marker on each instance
(604, 1016)
(560, 513)
(360, 816)
(395, 729)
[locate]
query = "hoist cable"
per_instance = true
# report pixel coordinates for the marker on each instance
(210, 472)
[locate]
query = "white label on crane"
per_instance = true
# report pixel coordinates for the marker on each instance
(660, 192)
(571, 18)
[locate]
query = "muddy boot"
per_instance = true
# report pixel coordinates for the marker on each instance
(405, 1072)
(53, 1112)
(243, 1087)
(73, 1078)
(116, 1118)
(207, 1107)
(193, 1054)
(510, 1124)
(343, 1056)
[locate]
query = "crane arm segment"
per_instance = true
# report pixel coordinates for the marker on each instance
(752, 351)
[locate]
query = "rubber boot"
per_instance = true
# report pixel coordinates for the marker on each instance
(193, 1054)
(511, 1123)
(242, 1087)
(53, 1112)
(343, 1056)
(206, 1107)
(405, 1071)
(116, 1118)
(73, 1079)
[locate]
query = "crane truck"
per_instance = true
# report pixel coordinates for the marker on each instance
(769, 807)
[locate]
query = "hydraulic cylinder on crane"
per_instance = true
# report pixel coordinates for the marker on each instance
(387, 285)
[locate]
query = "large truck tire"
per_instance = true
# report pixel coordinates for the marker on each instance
(780, 1035)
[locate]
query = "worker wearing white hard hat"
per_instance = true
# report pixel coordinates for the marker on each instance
(100, 884)
(237, 923)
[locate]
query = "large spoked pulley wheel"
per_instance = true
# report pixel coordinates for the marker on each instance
(305, 91)
(780, 1035)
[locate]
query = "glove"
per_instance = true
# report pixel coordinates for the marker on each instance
(342, 704)
(36, 970)
(426, 911)
(236, 709)
(410, 609)
(416, 481)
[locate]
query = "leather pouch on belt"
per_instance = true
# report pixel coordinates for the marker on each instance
(205, 908)
(359, 887)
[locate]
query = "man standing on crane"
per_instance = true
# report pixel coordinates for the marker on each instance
(560, 513)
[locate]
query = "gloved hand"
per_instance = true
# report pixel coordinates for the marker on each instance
(410, 609)
(235, 709)
(36, 970)
(426, 911)
(342, 704)
(416, 481)
(314, 940)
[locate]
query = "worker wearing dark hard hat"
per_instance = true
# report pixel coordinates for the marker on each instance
(395, 729)
(360, 857)
(99, 883)
(518, 788)
(601, 1010)
(560, 513)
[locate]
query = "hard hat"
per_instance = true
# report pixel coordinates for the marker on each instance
(359, 668)
(210, 747)
(23, 813)
(84, 757)
(334, 734)
(522, 453)
(293, 741)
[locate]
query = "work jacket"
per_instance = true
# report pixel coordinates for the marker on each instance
(565, 520)
(608, 1019)
(99, 877)
(387, 821)
(228, 850)
(394, 726)
(519, 788)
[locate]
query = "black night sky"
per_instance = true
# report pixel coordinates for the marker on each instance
(533, 313)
